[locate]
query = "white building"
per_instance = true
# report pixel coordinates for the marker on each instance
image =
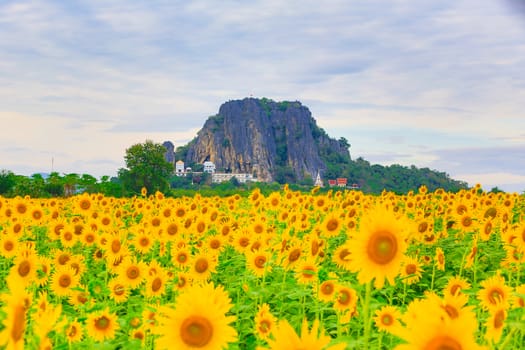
(179, 168)
(221, 177)
(209, 167)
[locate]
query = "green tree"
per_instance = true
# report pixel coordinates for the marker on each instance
(146, 167)
(7, 181)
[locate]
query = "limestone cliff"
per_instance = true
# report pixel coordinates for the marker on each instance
(270, 139)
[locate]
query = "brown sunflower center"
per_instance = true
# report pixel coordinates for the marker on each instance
(172, 229)
(411, 269)
(72, 331)
(455, 289)
(258, 228)
(259, 261)
(84, 204)
(327, 288)
(119, 289)
(215, 244)
(264, 326)
(244, 241)
(387, 320)
(344, 297)
(443, 342)
(495, 296)
(21, 208)
(308, 272)
(332, 225)
(382, 247)
(294, 255)
(182, 257)
(102, 323)
(115, 246)
(133, 272)
(155, 222)
(17, 228)
(451, 311)
(144, 241)
(156, 284)
(64, 281)
(24, 268)
(466, 221)
(196, 331)
(201, 265)
(8, 246)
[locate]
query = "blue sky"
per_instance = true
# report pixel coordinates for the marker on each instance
(436, 84)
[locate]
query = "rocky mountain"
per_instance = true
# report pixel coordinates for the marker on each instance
(276, 141)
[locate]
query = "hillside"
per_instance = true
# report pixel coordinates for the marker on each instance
(281, 141)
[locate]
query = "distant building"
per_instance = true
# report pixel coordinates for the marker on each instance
(209, 167)
(341, 181)
(332, 182)
(221, 177)
(179, 168)
(318, 181)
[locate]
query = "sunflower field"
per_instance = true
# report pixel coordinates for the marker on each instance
(286, 270)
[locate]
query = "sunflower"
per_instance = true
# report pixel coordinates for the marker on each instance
(494, 293)
(411, 270)
(16, 307)
(428, 326)
(8, 245)
(74, 332)
(25, 268)
(292, 256)
(181, 257)
(198, 320)
(138, 334)
(242, 240)
(439, 259)
(518, 300)
(471, 257)
(142, 242)
(214, 243)
(495, 324)
(306, 271)
(387, 319)
(258, 262)
(342, 257)
(132, 272)
(378, 249)
(346, 299)
(331, 225)
(118, 291)
(183, 280)
(265, 322)
(285, 338)
(102, 325)
(202, 266)
(456, 285)
(327, 291)
(63, 280)
(156, 284)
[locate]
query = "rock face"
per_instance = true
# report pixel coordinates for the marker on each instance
(170, 152)
(264, 137)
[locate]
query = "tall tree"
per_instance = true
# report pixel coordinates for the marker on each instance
(146, 167)
(7, 181)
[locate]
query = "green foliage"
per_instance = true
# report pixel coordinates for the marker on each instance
(7, 181)
(146, 167)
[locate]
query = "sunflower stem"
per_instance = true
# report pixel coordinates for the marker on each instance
(366, 314)
(433, 277)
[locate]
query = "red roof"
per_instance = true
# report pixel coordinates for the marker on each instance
(342, 181)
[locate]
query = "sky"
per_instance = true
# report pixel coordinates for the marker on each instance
(437, 84)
